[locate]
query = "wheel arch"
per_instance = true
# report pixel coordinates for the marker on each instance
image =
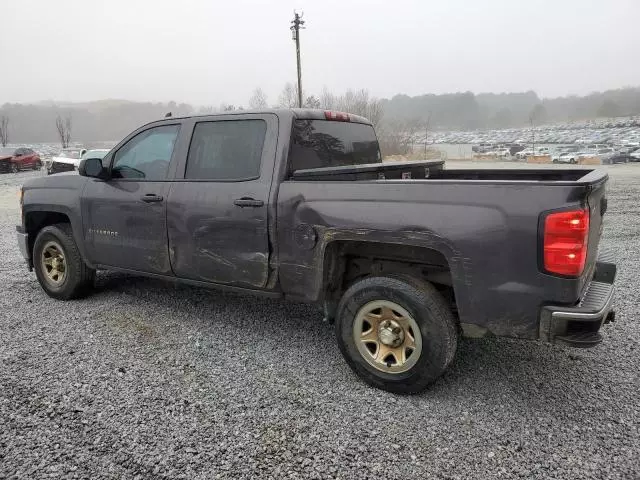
(346, 261)
(37, 219)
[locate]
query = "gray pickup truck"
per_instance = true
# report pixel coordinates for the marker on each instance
(297, 204)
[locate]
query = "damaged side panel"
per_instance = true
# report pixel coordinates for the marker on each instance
(489, 243)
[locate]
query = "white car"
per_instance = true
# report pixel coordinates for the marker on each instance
(570, 157)
(67, 160)
(635, 155)
(527, 152)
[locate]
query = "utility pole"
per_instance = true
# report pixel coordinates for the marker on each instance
(426, 134)
(296, 24)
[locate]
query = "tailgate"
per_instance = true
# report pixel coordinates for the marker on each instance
(597, 203)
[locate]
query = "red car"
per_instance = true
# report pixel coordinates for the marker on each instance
(15, 159)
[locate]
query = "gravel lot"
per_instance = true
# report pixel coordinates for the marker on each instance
(145, 380)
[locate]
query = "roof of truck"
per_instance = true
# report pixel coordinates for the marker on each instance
(297, 113)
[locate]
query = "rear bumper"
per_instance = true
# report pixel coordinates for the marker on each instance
(579, 325)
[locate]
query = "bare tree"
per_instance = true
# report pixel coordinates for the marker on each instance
(288, 97)
(312, 102)
(258, 99)
(64, 130)
(327, 99)
(358, 102)
(398, 138)
(4, 130)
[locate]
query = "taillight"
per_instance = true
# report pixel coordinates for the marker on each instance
(336, 116)
(566, 236)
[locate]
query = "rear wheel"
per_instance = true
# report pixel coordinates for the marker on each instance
(397, 333)
(59, 267)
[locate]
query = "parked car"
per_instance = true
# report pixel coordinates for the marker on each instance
(635, 156)
(14, 159)
(527, 152)
(617, 157)
(569, 157)
(297, 204)
(503, 152)
(67, 160)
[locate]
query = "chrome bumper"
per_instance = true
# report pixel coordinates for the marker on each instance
(579, 325)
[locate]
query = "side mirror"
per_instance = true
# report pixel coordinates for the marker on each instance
(92, 167)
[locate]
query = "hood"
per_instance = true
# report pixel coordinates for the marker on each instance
(59, 181)
(9, 157)
(70, 161)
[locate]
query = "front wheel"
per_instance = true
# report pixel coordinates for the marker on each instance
(14, 168)
(59, 267)
(397, 333)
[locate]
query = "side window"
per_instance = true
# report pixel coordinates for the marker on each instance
(226, 150)
(147, 155)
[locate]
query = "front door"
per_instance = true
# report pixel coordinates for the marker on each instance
(124, 218)
(218, 222)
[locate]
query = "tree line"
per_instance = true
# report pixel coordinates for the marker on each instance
(397, 119)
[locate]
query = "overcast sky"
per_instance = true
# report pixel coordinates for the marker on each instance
(210, 51)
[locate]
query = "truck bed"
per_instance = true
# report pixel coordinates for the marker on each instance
(434, 170)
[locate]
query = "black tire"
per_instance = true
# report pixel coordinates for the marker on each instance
(15, 168)
(428, 308)
(37, 165)
(78, 278)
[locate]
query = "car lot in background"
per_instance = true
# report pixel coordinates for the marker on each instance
(15, 159)
(66, 161)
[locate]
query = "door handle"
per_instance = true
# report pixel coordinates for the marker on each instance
(151, 198)
(248, 202)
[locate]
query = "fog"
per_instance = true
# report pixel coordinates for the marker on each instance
(206, 52)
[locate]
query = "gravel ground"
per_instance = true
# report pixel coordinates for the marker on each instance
(145, 380)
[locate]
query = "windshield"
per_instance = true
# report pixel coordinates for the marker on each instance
(5, 151)
(75, 154)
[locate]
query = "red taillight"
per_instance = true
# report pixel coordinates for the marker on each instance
(336, 116)
(566, 236)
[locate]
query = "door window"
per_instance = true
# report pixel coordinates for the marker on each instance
(226, 150)
(147, 155)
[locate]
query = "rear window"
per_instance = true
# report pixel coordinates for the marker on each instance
(324, 143)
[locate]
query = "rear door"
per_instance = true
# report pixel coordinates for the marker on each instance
(124, 218)
(31, 157)
(21, 159)
(218, 208)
